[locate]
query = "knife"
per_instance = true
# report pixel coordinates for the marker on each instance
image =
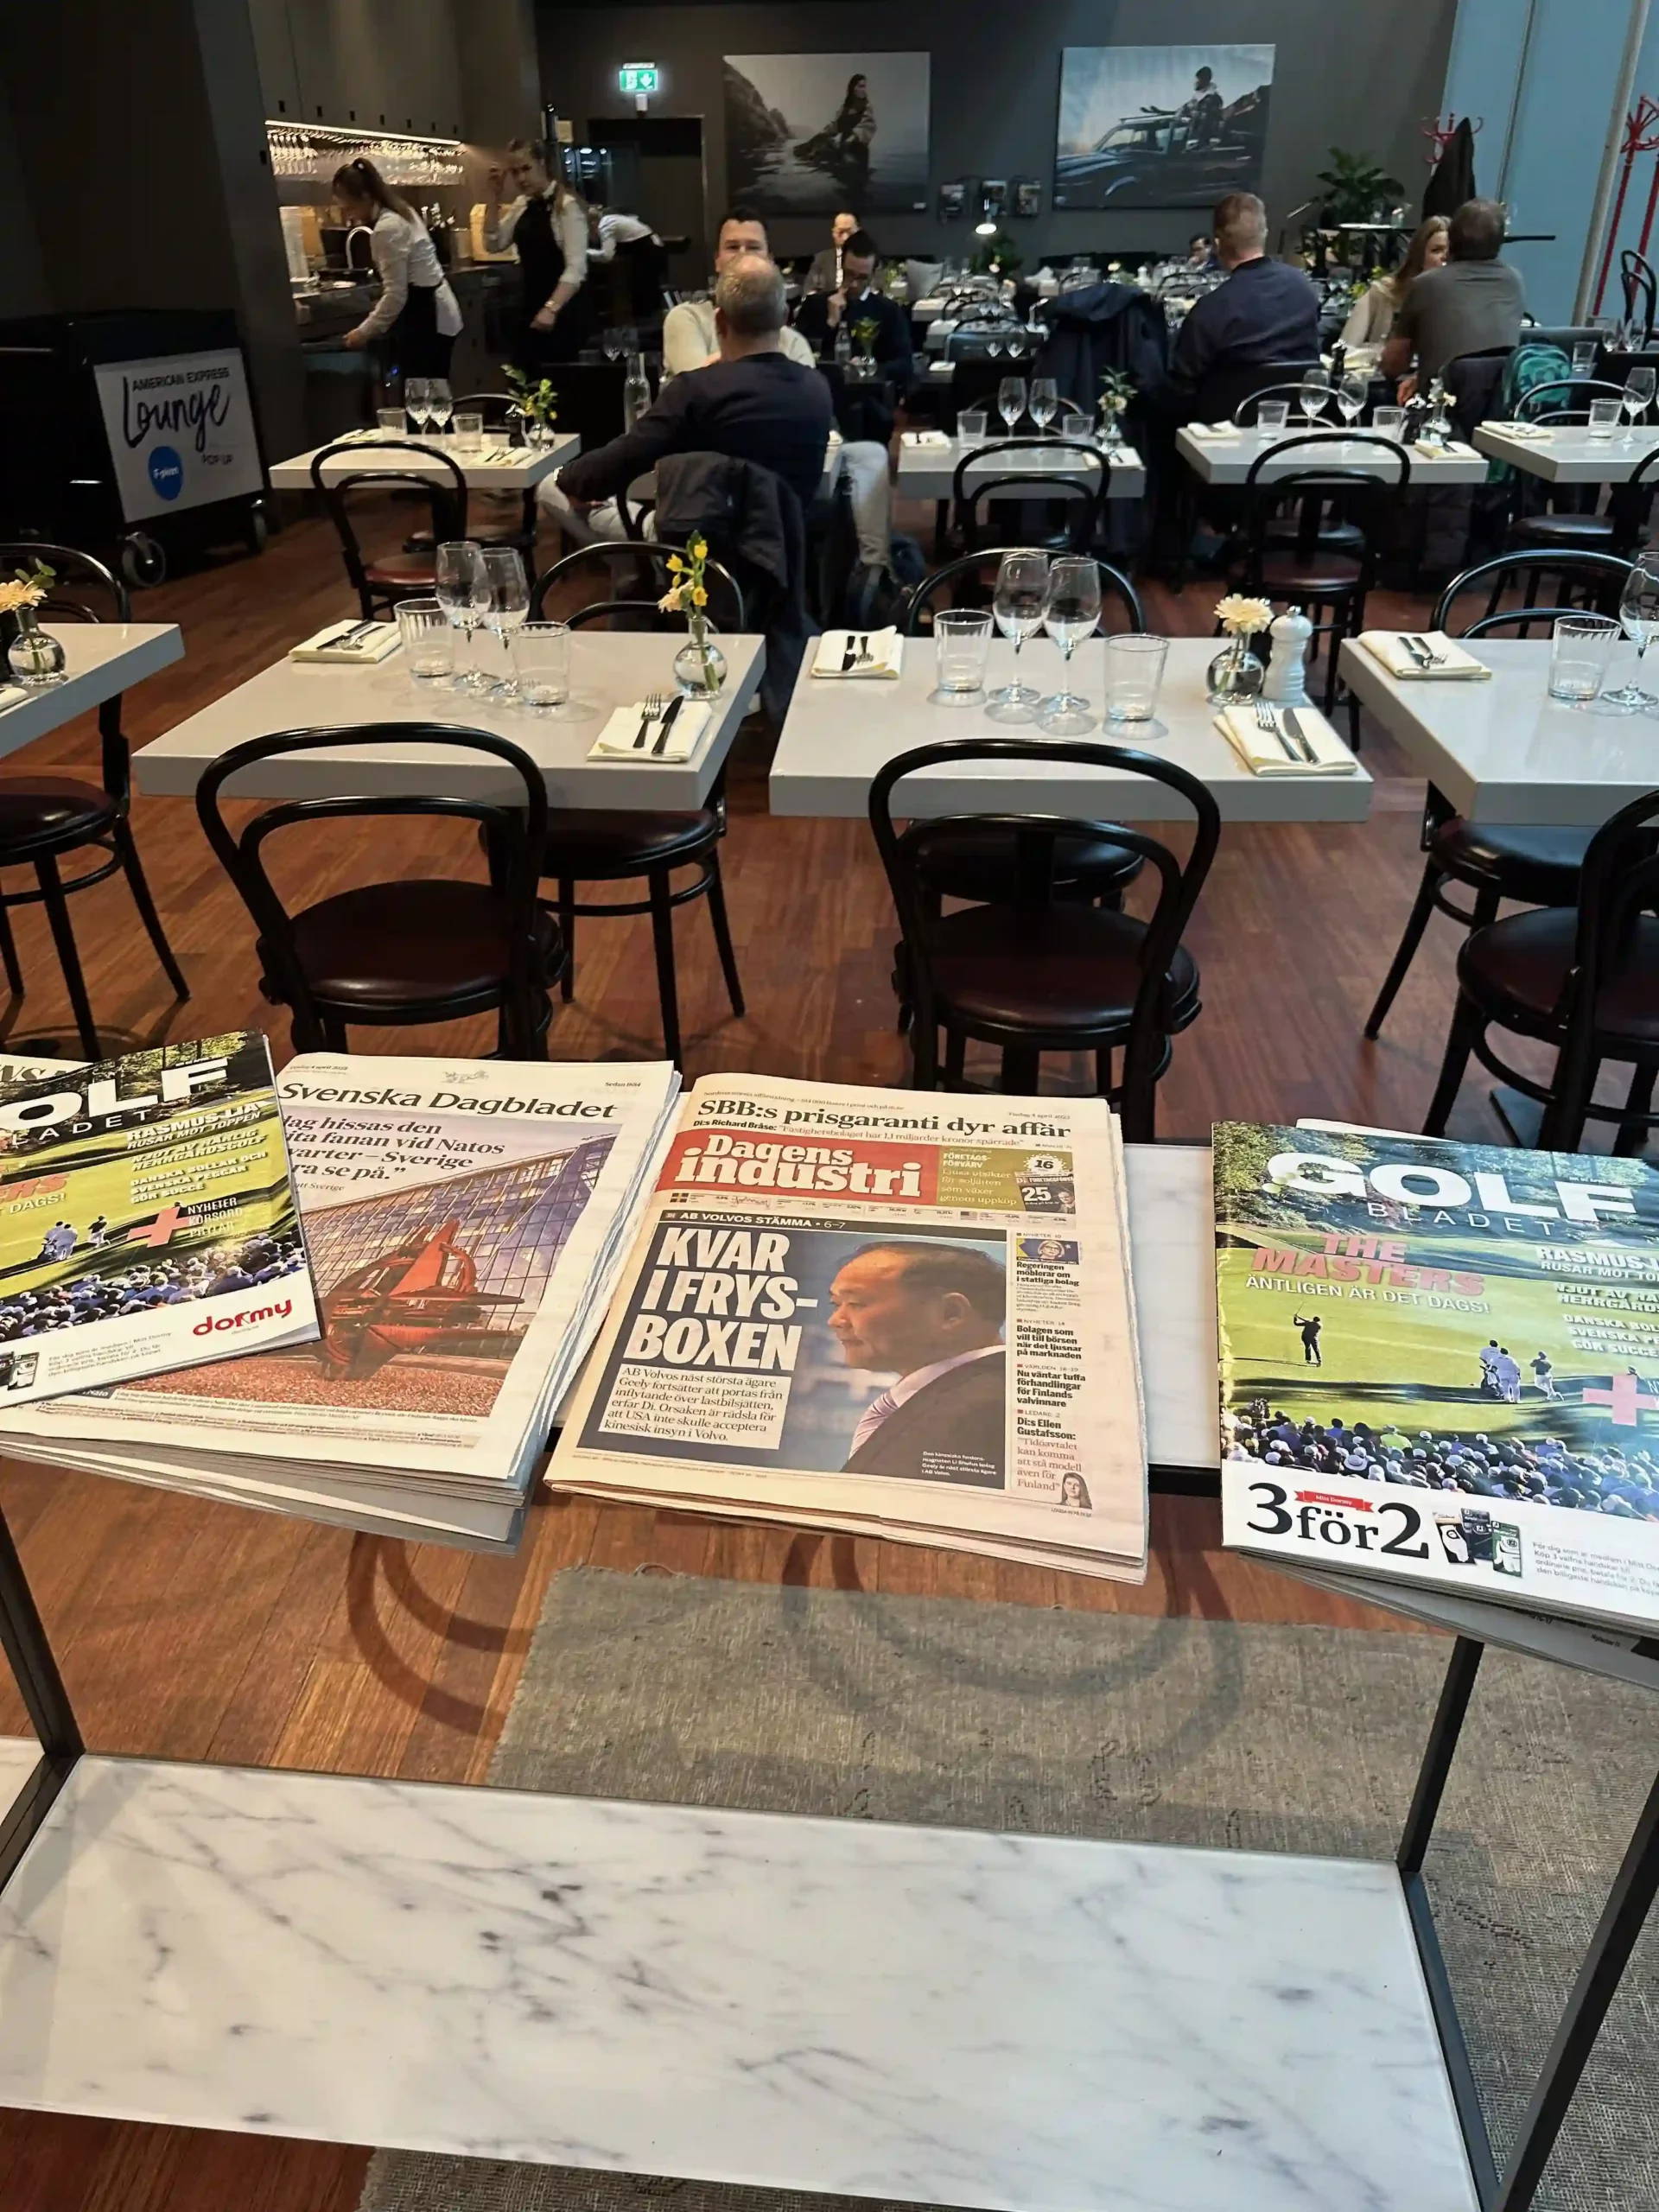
(1418, 651)
(668, 723)
(1300, 736)
(855, 647)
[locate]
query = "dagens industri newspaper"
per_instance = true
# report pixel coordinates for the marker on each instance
(884, 1311)
(146, 1218)
(465, 1220)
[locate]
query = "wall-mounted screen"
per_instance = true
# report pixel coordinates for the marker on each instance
(1161, 126)
(810, 134)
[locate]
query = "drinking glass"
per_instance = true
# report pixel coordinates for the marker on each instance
(1316, 390)
(540, 661)
(1069, 614)
(1388, 421)
(428, 640)
(1135, 672)
(1272, 414)
(469, 435)
(1018, 603)
(508, 604)
(464, 593)
(1011, 400)
(1638, 613)
(1046, 402)
(1351, 394)
(1584, 358)
(440, 404)
(962, 640)
(1638, 396)
(1580, 655)
(1604, 414)
(971, 425)
(391, 422)
(415, 392)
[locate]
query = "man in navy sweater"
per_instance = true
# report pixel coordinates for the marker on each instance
(1265, 311)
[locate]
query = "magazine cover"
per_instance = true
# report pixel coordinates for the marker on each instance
(1439, 1362)
(868, 1304)
(455, 1215)
(146, 1218)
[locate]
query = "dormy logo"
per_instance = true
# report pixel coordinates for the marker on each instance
(243, 1320)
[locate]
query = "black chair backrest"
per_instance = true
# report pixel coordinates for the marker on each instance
(1035, 838)
(1619, 883)
(1084, 487)
(1323, 494)
(1637, 282)
(1600, 578)
(1581, 390)
(1113, 584)
(1247, 410)
(516, 824)
(443, 488)
(496, 407)
(82, 590)
(1222, 389)
(1629, 503)
(635, 569)
(627, 614)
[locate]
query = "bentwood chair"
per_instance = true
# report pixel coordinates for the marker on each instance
(380, 580)
(44, 817)
(1532, 866)
(636, 570)
(1035, 972)
(1640, 286)
(1582, 978)
(414, 950)
(618, 845)
(1082, 489)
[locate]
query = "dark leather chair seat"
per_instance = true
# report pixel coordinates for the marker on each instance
(1588, 533)
(1536, 867)
(1515, 969)
(1053, 968)
(599, 843)
(385, 944)
(1317, 570)
(52, 807)
(964, 863)
(398, 571)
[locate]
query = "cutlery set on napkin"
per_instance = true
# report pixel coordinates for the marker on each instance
(342, 642)
(860, 653)
(935, 441)
(1411, 654)
(652, 729)
(1285, 740)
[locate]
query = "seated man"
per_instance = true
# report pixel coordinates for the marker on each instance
(753, 404)
(1472, 305)
(1265, 311)
(825, 274)
(688, 340)
(865, 414)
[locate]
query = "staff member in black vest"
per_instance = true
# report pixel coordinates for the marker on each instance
(547, 225)
(416, 313)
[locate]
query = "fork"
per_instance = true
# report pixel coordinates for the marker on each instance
(655, 708)
(1267, 720)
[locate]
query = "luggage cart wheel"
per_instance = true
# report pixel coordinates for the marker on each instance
(142, 561)
(258, 532)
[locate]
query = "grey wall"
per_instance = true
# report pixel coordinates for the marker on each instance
(1360, 77)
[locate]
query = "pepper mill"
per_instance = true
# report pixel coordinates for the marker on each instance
(1287, 679)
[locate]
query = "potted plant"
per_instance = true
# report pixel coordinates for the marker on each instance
(1357, 190)
(535, 405)
(1117, 390)
(998, 257)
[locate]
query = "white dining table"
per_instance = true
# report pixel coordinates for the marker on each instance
(1226, 460)
(928, 471)
(102, 658)
(521, 471)
(1567, 454)
(1504, 751)
(838, 735)
(609, 669)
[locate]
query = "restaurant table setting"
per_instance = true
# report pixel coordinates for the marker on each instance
(1423, 656)
(1284, 740)
(859, 655)
(348, 643)
(652, 728)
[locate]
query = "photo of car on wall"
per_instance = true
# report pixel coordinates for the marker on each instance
(1161, 126)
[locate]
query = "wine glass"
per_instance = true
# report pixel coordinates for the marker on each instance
(1636, 399)
(612, 345)
(993, 349)
(1019, 604)
(463, 592)
(440, 405)
(1351, 394)
(1045, 402)
(1069, 614)
(1011, 400)
(1638, 614)
(508, 605)
(1316, 390)
(415, 396)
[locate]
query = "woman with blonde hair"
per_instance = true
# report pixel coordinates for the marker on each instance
(547, 226)
(416, 313)
(1374, 312)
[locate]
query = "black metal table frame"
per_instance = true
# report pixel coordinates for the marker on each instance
(23, 1638)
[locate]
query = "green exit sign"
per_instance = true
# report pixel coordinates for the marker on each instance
(636, 78)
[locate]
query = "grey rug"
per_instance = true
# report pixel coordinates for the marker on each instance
(1307, 1739)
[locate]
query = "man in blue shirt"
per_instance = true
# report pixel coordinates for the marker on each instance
(1265, 311)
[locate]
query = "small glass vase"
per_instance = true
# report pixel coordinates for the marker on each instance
(1111, 431)
(1235, 673)
(699, 668)
(538, 433)
(35, 656)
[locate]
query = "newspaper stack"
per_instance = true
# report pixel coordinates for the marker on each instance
(466, 1220)
(884, 1311)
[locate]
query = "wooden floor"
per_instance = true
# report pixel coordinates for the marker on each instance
(198, 1630)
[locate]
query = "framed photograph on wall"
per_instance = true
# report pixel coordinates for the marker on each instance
(810, 134)
(1161, 126)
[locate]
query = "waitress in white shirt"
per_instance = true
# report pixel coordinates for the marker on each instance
(416, 313)
(547, 226)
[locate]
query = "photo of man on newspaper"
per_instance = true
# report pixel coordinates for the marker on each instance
(932, 1313)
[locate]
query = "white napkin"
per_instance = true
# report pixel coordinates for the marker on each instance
(370, 645)
(885, 647)
(1385, 647)
(1263, 755)
(1214, 430)
(11, 695)
(1454, 449)
(926, 438)
(616, 741)
(1542, 431)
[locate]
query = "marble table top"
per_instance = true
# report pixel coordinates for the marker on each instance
(19, 1757)
(925, 2014)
